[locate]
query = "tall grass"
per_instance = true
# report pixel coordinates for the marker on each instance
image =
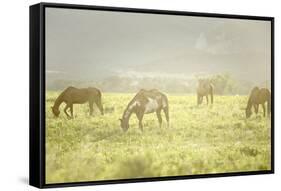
(201, 139)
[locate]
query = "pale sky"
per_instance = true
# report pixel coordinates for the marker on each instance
(87, 44)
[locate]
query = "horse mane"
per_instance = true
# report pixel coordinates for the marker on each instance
(130, 103)
(59, 99)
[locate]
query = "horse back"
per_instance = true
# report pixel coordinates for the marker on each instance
(264, 95)
(146, 97)
(80, 95)
(259, 96)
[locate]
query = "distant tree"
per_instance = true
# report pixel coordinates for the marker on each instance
(224, 84)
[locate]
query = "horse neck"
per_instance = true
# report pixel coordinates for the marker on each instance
(128, 112)
(249, 104)
(58, 102)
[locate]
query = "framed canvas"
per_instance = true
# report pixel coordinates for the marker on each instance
(120, 95)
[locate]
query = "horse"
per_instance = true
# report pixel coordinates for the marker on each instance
(257, 97)
(72, 95)
(205, 88)
(145, 102)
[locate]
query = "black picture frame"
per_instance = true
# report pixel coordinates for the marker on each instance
(37, 93)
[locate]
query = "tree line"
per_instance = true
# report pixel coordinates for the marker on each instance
(224, 84)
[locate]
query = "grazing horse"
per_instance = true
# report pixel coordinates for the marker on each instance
(72, 95)
(144, 102)
(258, 96)
(205, 88)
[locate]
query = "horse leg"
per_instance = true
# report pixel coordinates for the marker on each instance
(200, 100)
(212, 94)
(256, 108)
(71, 110)
(207, 98)
(263, 107)
(158, 113)
(91, 103)
(166, 112)
(140, 117)
(65, 111)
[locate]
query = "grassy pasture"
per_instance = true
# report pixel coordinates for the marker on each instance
(201, 139)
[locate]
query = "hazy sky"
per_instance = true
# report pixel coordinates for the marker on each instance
(87, 44)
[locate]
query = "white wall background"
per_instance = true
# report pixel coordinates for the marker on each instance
(14, 58)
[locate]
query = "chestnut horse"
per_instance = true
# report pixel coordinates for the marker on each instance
(72, 95)
(144, 102)
(257, 97)
(205, 88)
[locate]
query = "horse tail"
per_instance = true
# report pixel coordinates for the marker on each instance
(212, 93)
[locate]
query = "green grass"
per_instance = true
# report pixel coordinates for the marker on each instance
(200, 140)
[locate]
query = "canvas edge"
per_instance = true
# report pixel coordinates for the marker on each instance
(35, 96)
(34, 160)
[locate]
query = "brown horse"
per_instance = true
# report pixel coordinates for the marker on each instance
(258, 96)
(72, 95)
(205, 88)
(144, 102)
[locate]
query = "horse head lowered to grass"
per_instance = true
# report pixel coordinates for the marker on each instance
(72, 95)
(258, 97)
